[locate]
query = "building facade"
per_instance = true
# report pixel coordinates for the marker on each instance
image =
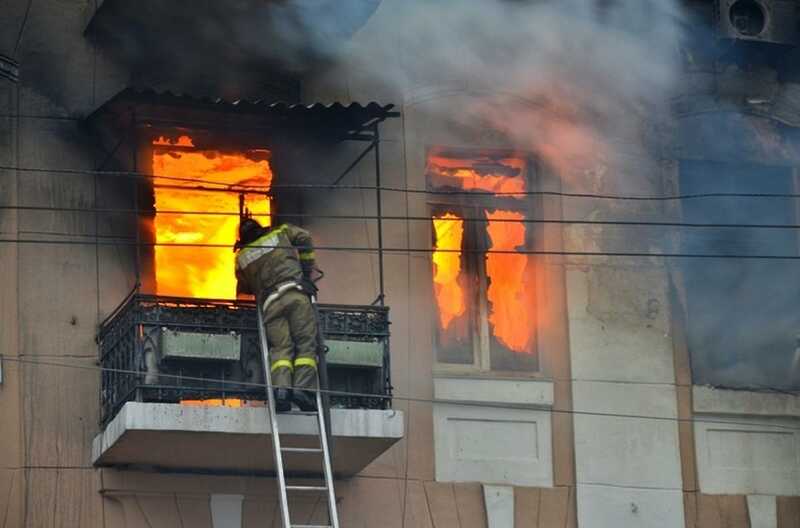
(554, 362)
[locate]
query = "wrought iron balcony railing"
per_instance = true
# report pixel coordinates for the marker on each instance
(170, 349)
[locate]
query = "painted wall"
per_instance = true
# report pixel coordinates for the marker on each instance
(616, 347)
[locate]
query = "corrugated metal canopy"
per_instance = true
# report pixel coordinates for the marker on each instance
(168, 110)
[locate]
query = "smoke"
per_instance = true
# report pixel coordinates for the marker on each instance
(568, 80)
(579, 84)
(236, 48)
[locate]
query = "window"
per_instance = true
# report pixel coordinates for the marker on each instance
(743, 319)
(484, 283)
(206, 181)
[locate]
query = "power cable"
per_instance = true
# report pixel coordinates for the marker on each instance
(414, 250)
(403, 218)
(254, 189)
(411, 399)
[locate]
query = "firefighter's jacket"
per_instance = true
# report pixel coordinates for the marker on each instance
(274, 258)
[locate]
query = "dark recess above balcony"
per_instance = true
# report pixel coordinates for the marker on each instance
(229, 41)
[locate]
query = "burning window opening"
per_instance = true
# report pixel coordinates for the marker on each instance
(234, 403)
(505, 278)
(511, 286)
(447, 274)
(215, 402)
(482, 173)
(192, 271)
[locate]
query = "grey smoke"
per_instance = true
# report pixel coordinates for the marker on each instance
(569, 80)
(577, 83)
(234, 49)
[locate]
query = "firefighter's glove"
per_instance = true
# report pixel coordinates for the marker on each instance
(308, 286)
(308, 269)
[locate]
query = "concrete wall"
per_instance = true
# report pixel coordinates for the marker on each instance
(53, 295)
(541, 453)
(12, 482)
(627, 456)
(48, 406)
(616, 347)
(59, 409)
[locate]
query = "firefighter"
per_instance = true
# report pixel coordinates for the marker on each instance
(275, 264)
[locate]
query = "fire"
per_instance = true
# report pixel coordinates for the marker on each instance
(511, 288)
(202, 271)
(483, 174)
(509, 273)
(215, 402)
(449, 230)
(182, 141)
(223, 402)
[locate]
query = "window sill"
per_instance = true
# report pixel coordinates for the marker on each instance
(470, 372)
(514, 392)
(710, 400)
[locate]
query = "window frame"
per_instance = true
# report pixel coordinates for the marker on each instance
(697, 363)
(475, 243)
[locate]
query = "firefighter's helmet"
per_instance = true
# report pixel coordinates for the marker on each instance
(249, 231)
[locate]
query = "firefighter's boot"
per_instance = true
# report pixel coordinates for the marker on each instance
(283, 400)
(305, 400)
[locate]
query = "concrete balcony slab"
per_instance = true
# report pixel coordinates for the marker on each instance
(174, 437)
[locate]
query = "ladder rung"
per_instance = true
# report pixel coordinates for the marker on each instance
(311, 526)
(301, 449)
(307, 488)
(301, 413)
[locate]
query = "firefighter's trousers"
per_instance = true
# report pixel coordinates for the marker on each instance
(291, 327)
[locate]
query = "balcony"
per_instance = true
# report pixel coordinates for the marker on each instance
(164, 358)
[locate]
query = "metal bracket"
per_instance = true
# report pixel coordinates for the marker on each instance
(355, 162)
(1, 369)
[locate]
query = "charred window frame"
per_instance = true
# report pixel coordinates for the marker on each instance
(481, 351)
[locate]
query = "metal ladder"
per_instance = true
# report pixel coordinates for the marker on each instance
(324, 449)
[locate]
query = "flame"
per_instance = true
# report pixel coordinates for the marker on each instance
(449, 230)
(182, 141)
(511, 288)
(483, 174)
(215, 402)
(202, 271)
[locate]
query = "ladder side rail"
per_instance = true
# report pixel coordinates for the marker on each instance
(332, 509)
(276, 442)
(322, 373)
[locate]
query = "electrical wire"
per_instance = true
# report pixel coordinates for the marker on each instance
(124, 242)
(255, 189)
(410, 399)
(402, 218)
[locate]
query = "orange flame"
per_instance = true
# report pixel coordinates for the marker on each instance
(492, 175)
(182, 141)
(511, 288)
(449, 230)
(215, 402)
(202, 271)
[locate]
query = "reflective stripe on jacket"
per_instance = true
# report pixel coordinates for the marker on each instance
(274, 258)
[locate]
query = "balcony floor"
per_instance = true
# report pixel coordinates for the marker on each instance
(175, 437)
